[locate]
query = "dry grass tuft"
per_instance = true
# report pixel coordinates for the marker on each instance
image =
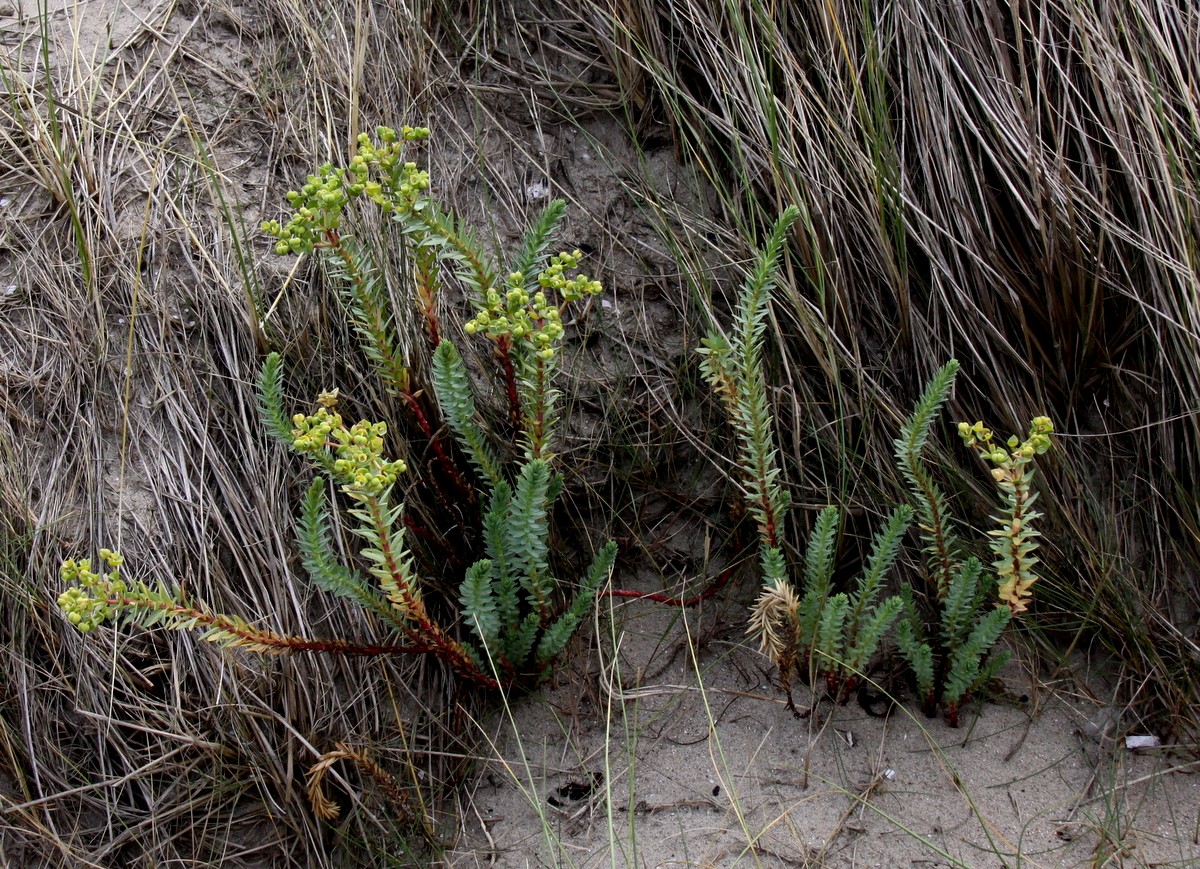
(1016, 188)
(133, 182)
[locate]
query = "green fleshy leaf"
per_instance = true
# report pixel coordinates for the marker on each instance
(457, 401)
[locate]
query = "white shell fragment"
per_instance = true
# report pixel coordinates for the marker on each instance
(537, 191)
(1132, 742)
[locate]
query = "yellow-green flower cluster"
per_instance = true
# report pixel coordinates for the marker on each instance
(358, 451)
(87, 603)
(318, 209)
(535, 319)
(569, 289)
(1018, 452)
(1015, 540)
(376, 171)
(516, 314)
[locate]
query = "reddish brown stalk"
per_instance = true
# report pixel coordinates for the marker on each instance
(729, 392)
(267, 640)
(538, 424)
(716, 586)
(452, 653)
(426, 270)
(504, 352)
(439, 450)
(433, 540)
(465, 250)
(425, 630)
(397, 370)
(419, 417)
(768, 529)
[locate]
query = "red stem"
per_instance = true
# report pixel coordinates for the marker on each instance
(504, 349)
(432, 540)
(439, 451)
(401, 376)
(720, 582)
(425, 631)
(267, 638)
(426, 271)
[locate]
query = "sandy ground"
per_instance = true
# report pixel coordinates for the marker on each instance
(700, 764)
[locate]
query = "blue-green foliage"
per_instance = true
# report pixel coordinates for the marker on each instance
(818, 578)
(960, 607)
(844, 630)
(947, 640)
(870, 619)
(504, 575)
(270, 400)
(427, 225)
(932, 509)
(324, 566)
(512, 603)
(733, 367)
(479, 602)
(536, 243)
(868, 633)
(520, 613)
(831, 632)
(362, 286)
(966, 670)
(836, 633)
(560, 631)
(774, 566)
(911, 641)
(510, 599)
(821, 553)
(527, 531)
(457, 401)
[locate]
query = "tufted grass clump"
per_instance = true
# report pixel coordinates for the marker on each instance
(513, 613)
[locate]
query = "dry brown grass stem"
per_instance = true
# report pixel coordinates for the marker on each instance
(129, 418)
